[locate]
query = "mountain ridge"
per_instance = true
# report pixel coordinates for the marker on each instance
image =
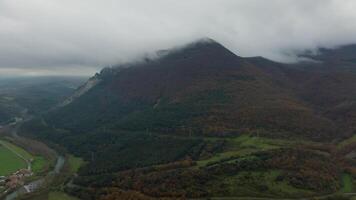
(206, 68)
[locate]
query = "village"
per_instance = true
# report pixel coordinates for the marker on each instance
(14, 180)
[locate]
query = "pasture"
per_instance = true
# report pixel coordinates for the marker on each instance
(9, 162)
(13, 158)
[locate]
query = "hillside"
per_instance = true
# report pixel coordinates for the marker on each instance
(207, 90)
(201, 121)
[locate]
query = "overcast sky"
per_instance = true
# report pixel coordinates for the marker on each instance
(39, 37)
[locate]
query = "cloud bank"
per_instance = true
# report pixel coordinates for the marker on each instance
(41, 37)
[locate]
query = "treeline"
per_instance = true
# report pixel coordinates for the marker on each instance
(301, 169)
(109, 151)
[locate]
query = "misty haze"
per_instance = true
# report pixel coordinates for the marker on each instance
(170, 100)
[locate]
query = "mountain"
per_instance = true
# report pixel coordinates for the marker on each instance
(330, 87)
(198, 121)
(207, 90)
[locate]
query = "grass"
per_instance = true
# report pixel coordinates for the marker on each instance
(347, 183)
(254, 183)
(225, 156)
(347, 141)
(60, 196)
(247, 141)
(10, 162)
(243, 145)
(17, 149)
(38, 162)
(261, 184)
(74, 163)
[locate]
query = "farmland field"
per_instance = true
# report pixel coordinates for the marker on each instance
(10, 162)
(74, 163)
(60, 196)
(13, 158)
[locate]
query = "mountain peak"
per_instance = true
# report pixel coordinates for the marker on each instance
(204, 52)
(206, 48)
(204, 41)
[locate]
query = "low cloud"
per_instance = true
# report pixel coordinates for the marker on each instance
(81, 36)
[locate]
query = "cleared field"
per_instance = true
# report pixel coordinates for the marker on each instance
(60, 196)
(17, 150)
(53, 195)
(243, 145)
(347, 141)
(250, 184)
(38, 164)
(10, 162)
(14, 158)
(347, 185)
(74, 163)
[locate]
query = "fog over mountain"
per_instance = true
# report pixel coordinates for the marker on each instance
(74, 37)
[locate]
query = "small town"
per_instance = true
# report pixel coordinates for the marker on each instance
(14, 180)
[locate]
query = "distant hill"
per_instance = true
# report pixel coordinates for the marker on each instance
(33, 95)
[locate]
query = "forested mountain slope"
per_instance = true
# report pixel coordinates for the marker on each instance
(206, 89)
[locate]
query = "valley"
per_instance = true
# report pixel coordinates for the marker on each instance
(178, 100)
(46, 168)
(28, 166)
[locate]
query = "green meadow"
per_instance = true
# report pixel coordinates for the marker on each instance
(13, 158)
(74, 163)
(9, 162)
(60, 196)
